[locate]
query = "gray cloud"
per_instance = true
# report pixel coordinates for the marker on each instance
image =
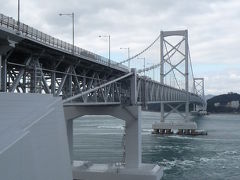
(214, 27)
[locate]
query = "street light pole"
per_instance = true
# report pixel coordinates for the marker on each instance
(128, 50)
(151, 64)
(144, 89)
(109, 47)
(144, 65)
(73, 32)
(18, 23)
(72, 15)
(153, 74)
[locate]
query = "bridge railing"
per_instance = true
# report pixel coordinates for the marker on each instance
(32, 33)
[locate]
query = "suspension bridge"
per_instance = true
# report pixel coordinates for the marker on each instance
(34, 63)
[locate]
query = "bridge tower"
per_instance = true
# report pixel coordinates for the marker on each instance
(180, 50)
(198, 85)
(165, 56)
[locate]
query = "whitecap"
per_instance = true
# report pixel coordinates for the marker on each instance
(186, 162)
(204, 159)
(146, 130)
(164, 147)
(192, 138)
(229, 153)
(179, 163)
(167, 165)
(110, 127)
(94, 133)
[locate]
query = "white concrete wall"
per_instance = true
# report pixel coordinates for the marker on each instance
(132, 117)
(33, 139)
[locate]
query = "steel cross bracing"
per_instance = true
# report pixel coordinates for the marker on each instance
(33, 62)
(198, 85)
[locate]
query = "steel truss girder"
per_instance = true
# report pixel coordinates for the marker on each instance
(79, 83)
(157, 92)
(20, 75)
(97, 88)
(147, 91)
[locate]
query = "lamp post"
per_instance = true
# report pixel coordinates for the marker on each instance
(153, 74)
(151, 64)
(144, 89)
(72, 15)
(144, 65)
(18, 22)
(109, 47)
(128, 51)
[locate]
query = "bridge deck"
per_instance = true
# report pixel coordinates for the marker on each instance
(36, 37)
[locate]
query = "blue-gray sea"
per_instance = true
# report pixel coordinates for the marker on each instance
(212, 157)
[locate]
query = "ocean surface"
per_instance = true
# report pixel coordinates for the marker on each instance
(212, 157)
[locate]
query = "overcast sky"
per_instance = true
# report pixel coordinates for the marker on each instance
(214, 29)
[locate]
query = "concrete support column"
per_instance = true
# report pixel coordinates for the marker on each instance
(67, 88)
(24, 82)
(133, 138)
(33, 77)
(0, 72)
(70, 138)
(4, 75)
(53, 79)
(162, 112)
(53, 84)
(69, 85)
(134, 88)
(194, 107)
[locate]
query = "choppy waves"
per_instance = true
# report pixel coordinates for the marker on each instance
(168, 164)
(111, 127)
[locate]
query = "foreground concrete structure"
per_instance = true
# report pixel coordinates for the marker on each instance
(36, 141)
(88, 171)
(33, 138)
(133, 167)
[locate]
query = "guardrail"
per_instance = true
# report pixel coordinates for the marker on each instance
(32, 33)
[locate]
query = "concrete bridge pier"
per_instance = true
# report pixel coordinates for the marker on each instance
(69, 125)
(167, 127)
(133, 168)
(3, 73)
(0, 72)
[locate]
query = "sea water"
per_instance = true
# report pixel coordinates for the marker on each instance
(215, 156)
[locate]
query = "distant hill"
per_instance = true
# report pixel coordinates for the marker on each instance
(209, 96)
(225, 103)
